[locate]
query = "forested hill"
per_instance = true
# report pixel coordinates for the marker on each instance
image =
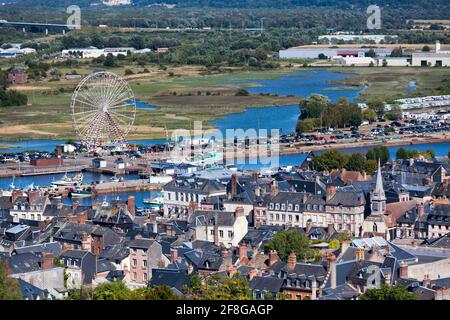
(340, 4)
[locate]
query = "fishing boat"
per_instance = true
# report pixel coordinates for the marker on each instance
(66, 181)
(116, 179)
(80, 193)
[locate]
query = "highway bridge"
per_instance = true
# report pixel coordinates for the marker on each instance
(37, 27)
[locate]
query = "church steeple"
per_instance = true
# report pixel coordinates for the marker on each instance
(378, 197)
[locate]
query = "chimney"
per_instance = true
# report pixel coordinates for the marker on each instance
(274, 188)
(234, 183)
(426, 281)
(85, 241)
(421, 210)
(330, 229)
(387, 278)
(173, 255)
(216, 229)
(227, 256)
(292, 261)
(273, 257)
(313, 288)
(438, 46)
(257, 191)
(15, 194)
(239, 212)
(32, 196)
(331, 190)
(345, 245)
(308, 226)
(131, 205)
(359, 254)
(252, 274)
(404, 270)
(47, 261)
(243, 251)
(232, 271)
(332, 269)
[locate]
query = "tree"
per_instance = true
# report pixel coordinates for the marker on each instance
(109, 61)
(397, 52)
(313, 106)
(381, 153)
(356, 162)
(9, 287)
(306, 125)
(218, 287)
(395, 113)
(116, 290)
(285, 242)
(431, 152)
(369, 115)
(330, 160)
(377, 106)
(385, 292)
(426, 48)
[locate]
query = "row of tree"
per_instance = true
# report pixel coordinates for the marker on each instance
(335, 160)
(318, 111)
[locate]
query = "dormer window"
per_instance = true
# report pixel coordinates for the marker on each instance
(283, 207)
(290, 207)
(277, 206)
(271, 206)
(297, 207)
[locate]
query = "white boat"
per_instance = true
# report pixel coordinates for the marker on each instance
(80, 193)
(156, 202)
(66, 181)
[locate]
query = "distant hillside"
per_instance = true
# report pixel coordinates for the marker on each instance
(341, 4)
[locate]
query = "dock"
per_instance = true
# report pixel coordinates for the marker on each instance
(126, 186)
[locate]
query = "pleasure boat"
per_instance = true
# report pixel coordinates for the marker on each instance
(80, 193)
(156, 202)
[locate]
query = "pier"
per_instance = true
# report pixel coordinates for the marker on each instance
(126, 186)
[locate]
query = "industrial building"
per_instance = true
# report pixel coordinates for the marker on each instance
(438, 58)
(313, 52)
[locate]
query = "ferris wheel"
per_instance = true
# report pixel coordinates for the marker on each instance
(103, 109)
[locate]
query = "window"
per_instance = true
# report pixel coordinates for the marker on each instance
(290, 207)
(145, 276)
(211, 232)
(134, 276)
(290, 217)
(32, 216)
(277, 206)
(283, 217)
(277, 217)
(297, 207)
(271, 206)
(283, 207)
(230, 234)
(134, 262)
(271, 216)
(297, 218)
(221, 233)
(168, 195)
(38, 217)
(144, 263)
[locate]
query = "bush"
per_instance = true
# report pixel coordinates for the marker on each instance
(242, 92)
(128, 72)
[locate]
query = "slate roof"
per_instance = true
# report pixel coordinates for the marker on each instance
(196, 185)
(23, 263)
(48, 247)
(440, 215)
(74, 254)
(169, 277)
(267, 283)
(202, 218)
(31, 292)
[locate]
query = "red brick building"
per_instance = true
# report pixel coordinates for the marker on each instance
(42, 162)
(17, 75)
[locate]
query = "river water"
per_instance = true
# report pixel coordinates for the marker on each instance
(299, 83)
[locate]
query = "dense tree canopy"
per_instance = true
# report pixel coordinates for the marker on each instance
(388, 293)
(218, 287)
(285, 242)
(9, 287)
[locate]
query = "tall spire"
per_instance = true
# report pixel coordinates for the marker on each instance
(378, 197)
(379, 190)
